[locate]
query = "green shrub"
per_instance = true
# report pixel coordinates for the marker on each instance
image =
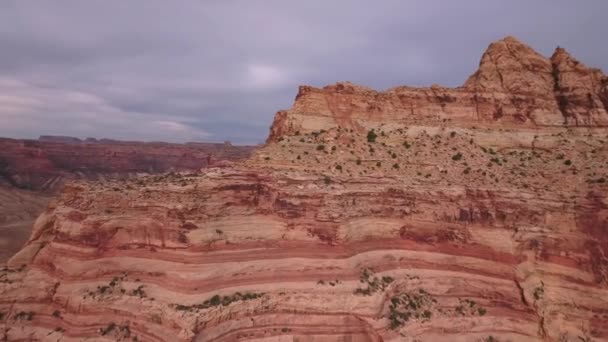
(108, 329)
(371, 136)
(457, 156)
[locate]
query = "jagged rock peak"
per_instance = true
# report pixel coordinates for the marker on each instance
(563, 60)
(510, 65)
(515, 86)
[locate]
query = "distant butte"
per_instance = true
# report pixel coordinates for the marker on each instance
(477, 213)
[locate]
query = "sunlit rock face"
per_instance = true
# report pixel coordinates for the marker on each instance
(471, 214)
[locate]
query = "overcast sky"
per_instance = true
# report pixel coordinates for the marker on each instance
(214, 70)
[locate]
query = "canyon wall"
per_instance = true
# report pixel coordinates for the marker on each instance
(366, 217)
(46, 164)
(32, 171)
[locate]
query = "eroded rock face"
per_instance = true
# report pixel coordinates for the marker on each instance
(514, 87)
(45, 164)
(422, 230)
(31, 171)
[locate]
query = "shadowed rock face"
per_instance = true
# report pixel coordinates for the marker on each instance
(424, 230)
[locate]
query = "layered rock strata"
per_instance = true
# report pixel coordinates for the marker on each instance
(514, 87)
(46, 164)
(352, 224)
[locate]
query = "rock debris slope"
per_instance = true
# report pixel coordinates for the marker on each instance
(470, 214)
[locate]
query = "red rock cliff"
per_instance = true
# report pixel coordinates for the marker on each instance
(484, 228)
(514, 86)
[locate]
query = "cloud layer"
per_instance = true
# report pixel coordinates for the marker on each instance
(218, 70)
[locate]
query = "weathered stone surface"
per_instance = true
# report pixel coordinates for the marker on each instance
(45, 164)
(513, 87)
(31, 171)
(424, 230)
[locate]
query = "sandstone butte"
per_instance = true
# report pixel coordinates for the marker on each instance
(415, 214)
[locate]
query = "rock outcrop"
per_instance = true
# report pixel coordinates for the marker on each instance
(356, 222)
(514, 87)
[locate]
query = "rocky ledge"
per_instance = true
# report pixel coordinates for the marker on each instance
(360, 229)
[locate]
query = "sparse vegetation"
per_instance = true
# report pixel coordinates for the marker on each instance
(371, 136)
(411, 305)
(108, 329)
(139, 292)
(218, 300)
(457, 156)
(467, 307)
(374, 284)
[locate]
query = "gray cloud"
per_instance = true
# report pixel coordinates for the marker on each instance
(219, 70)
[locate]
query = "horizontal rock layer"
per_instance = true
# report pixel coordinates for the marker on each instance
(46, 164)
(513, 87)
(417, 231)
